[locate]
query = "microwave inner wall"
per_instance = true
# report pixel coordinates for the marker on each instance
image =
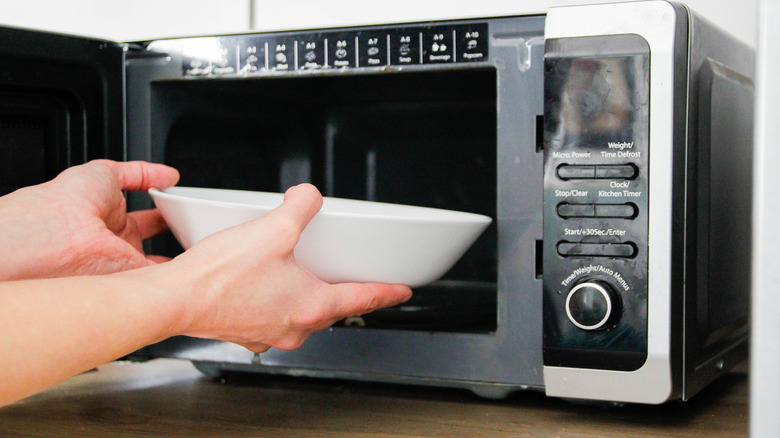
(425, 138)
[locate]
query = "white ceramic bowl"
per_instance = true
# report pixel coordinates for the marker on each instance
(348, 240)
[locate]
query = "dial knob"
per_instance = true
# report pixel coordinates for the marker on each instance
(591, 305)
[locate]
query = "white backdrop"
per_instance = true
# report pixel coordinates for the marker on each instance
(143, 19)
(737, 16)
(128, 20)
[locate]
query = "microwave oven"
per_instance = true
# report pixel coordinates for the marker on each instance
(611, 144)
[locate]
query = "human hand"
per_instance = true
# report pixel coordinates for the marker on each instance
(78, 223)
(241, 285)
(244, 285)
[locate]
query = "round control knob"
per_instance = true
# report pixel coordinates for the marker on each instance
(592, 304)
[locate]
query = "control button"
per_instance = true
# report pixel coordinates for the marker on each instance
(281, 55)
(622, 211)
(311, 53)
(225, 62)
(591, 305)
(372, 48)
(617, 171)
(251, 56)
(566, 210)
(575, 171)
(439, 45)
(472, 44)
(576, 249)
(405, 47)
(341, 50)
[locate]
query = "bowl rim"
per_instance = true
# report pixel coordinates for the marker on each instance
(440, 215)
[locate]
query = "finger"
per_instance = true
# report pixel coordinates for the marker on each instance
(141, 175)
(301, 204)
(149, 222)
(352, 299)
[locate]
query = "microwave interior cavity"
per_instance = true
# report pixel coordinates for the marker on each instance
(425, 138)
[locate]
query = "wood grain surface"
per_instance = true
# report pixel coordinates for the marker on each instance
(170, 398)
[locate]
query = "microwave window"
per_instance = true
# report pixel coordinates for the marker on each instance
(419, 138)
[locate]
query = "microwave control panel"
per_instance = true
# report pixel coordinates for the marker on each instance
(371, 47)
(596, 174)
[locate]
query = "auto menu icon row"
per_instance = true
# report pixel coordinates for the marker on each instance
(370, 47)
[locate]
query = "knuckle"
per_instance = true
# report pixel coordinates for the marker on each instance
(371, 304)
(104, 167)
(144, 178)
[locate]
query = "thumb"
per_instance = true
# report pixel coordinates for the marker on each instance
(352, 299)
(301, 204)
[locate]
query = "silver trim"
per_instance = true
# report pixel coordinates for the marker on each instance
(656, 22)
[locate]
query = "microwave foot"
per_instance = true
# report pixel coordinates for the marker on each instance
(493, 392)
(211, 369)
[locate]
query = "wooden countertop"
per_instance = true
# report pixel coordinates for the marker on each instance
(170, 398)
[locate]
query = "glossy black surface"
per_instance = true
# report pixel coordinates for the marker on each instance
(596, 198)
(419, 138)
(60, 104)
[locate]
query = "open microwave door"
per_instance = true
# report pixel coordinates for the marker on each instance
(61, 104)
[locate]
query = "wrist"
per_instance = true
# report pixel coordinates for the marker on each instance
(185, 300)
(167, 297)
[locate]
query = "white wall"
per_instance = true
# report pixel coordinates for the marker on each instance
(765, 348)
(129, 20)
(736, 16)
(143, 19)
